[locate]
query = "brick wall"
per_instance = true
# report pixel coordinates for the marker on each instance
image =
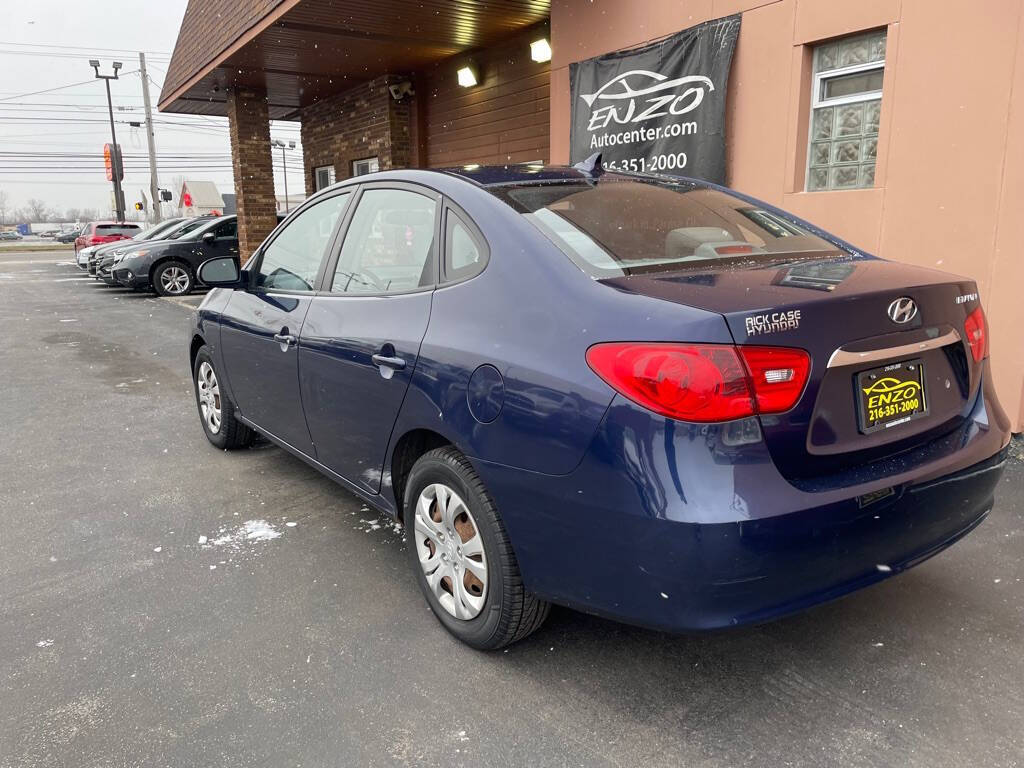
(249, 129)
(354, 125)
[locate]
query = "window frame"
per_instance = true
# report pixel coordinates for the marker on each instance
(254, 264)
(854, 69)
(326, 276)
(817, 102)
(331, 176)
(475, 234)
(354, 163)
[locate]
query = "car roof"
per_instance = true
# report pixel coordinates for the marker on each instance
(523, 173)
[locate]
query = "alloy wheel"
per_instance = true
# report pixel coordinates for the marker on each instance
(450, 551)
(174, 280)
(209, 397)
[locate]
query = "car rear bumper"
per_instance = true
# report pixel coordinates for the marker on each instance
(684, 527)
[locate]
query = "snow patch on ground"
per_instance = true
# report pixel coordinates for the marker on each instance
(238, 538)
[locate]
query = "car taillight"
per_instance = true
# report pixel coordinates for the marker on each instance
(703, 382)
(778, 376)
(977, 340)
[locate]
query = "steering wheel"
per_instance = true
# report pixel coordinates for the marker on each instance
(378, 282)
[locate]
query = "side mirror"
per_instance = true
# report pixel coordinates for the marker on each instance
(220, 272)
(209, 238)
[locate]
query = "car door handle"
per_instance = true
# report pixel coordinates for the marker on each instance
(285, 339)
(395, 363)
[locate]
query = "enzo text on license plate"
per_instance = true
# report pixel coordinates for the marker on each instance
(890, 395)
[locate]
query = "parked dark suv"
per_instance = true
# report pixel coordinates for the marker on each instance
(169, 267)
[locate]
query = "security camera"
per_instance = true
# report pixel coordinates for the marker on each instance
(401, 90)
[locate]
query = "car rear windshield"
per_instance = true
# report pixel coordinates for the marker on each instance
(622, 225)
(106, 230)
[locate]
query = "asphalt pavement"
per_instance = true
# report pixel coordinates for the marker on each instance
(163, 603)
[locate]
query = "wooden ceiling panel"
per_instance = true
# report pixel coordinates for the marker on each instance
(317, 48)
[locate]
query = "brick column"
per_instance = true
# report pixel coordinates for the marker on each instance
(249, 126)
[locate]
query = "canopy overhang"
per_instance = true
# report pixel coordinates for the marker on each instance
(301, 51)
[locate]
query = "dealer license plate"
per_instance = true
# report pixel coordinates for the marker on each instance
(891, 395)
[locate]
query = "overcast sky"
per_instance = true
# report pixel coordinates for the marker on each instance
(45, 44)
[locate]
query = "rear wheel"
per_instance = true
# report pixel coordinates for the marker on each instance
(216, 411)
(173, 278)
(462, 558)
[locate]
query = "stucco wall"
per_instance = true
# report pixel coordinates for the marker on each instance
(950, 172)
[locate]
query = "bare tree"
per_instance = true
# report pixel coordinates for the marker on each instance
(37, 209)
(3, 207)
(73, 214)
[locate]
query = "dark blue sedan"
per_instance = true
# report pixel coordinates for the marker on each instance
(647, 398)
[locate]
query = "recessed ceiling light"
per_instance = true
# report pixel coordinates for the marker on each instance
(540, 50)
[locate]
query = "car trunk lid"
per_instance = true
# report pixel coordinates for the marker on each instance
(838, 309)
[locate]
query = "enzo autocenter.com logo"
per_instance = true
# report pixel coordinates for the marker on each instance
(636, 97)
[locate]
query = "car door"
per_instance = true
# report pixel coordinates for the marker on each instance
(362, 334)
(219, 240)
(260, 325)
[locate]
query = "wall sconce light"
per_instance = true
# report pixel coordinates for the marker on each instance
(540, 50)
(468, 76)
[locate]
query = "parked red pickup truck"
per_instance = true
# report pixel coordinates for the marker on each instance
(99, 232)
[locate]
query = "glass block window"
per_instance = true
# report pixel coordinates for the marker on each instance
(845, 109)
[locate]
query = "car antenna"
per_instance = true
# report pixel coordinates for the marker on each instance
(591, 166)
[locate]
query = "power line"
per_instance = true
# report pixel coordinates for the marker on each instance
(64, 46)
(51, 90)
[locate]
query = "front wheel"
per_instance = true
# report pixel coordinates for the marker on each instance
(462, 557)
(216, 410)
(173, 278)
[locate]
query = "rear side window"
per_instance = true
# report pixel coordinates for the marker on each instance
(621, 225)
(464, 255)
(106, 230)
(389, 246)
(292, 259)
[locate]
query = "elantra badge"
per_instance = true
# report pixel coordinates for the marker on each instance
(903, 310)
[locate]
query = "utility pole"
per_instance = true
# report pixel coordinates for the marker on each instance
(284, 160)
(118, 161)
(154, 186)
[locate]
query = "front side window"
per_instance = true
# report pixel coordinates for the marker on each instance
(846, 105)
(389, 246)
(292, 259)
(227, 231)
(622, 225)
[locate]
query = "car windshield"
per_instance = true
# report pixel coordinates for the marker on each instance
(623, 225)
(147, 234)
(184, 228)
(106, 230)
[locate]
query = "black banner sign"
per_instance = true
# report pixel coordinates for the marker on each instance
(660, 108)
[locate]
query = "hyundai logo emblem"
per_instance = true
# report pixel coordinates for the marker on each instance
(903, 310)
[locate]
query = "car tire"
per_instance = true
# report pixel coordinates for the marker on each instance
(216, 410)
(173, 278)
(501, 611)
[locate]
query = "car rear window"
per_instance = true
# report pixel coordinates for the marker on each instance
(621, 225)
(106, 230)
